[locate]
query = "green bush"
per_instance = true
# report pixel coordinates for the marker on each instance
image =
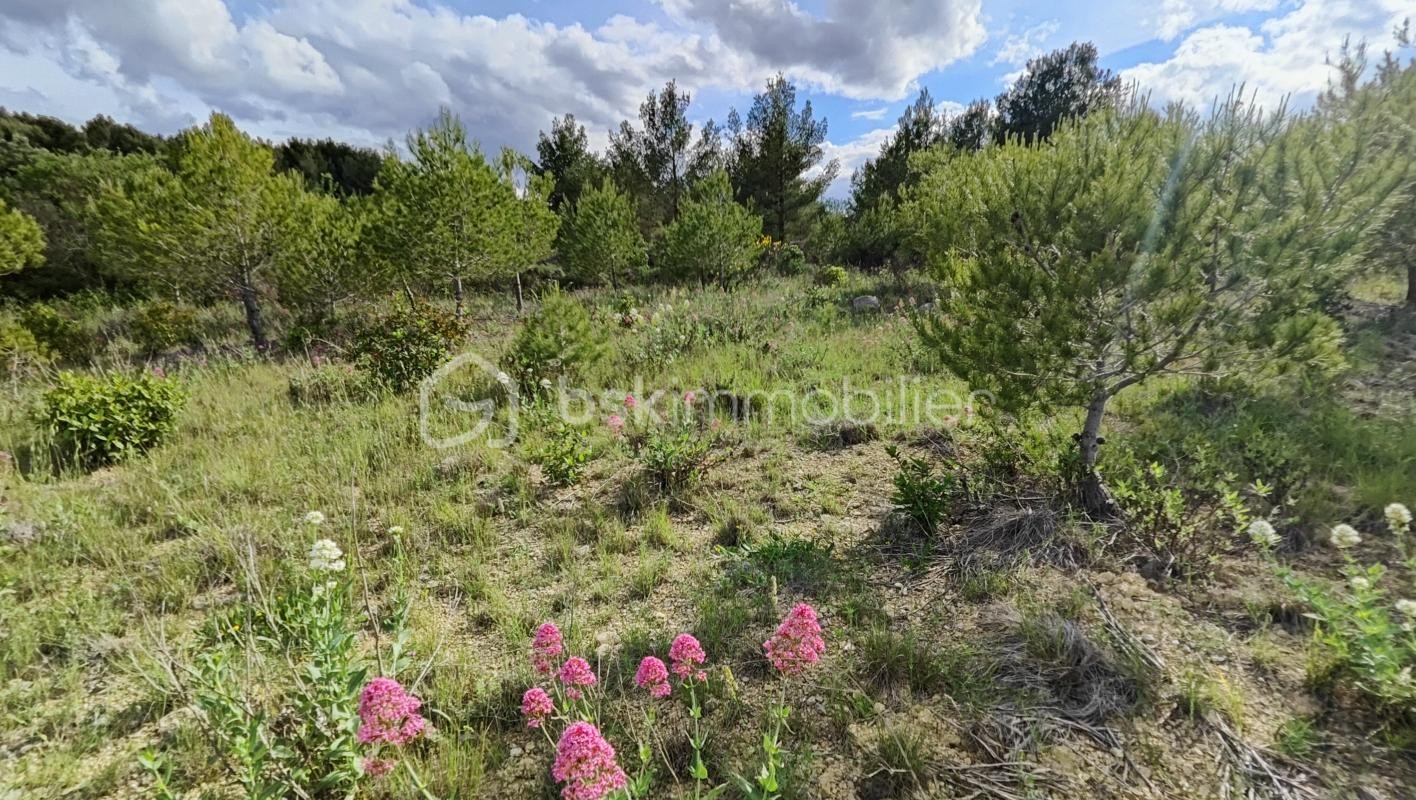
(160, 325)
(64, 338)
(564, 454)
(675, 458)
(104, 419)
(832, 276)
(19, 351)
(557, 340)
(922, 493)
(783, 259)
(1179, 536)
(400, 349)
(1366, 631)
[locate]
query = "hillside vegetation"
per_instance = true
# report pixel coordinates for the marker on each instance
(1073, 458)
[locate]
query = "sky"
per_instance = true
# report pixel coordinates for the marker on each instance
(367, 71)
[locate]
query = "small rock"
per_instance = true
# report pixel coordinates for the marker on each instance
(516, 752)
(866, 302)
(22, 532)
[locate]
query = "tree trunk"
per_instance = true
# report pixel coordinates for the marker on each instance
(1411, 284)
(254, 320)
(1092, 493)
(457, 294)
(520, 299)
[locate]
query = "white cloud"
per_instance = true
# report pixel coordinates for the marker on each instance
(1018, 48)
(371, 69)
(1283, 58)
(861, 49)
(1177, 16)
(850, 155)
(871, 113)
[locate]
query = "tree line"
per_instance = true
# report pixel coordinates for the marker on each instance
(311, 225)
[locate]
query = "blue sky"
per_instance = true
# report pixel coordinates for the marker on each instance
(368, 70)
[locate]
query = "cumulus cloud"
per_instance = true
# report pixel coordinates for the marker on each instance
(1018, 48)
(368, 70)
(1282, 58)
(861, 49)
(1174, 17)
(850, 156)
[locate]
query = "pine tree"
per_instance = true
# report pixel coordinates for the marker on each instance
(564, 155)
(771, 153)
(600, 239)
(212, 227)
(714, 238)
(1139, 245)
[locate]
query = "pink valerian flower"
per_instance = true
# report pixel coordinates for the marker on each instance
(615, 424)
(546, 648)
(630, 402)
(575, 673)
(536, 707)
(388, 714)
(378, 767)
(797, 644)
(689, 398)
(687, 655)
(585, 763)
(653, 677)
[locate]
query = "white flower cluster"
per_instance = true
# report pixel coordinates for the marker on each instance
(315, 518)
(1359, 583)
(1344, 536)
(1261, 533)
(1398, 517)
(325, 556)
(1407, 607)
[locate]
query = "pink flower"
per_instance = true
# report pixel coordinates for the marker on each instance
(689, 398)
(378, 767)
(158, 371)
(615, 423)
(797, 644)
(585, 763)
(574, 673)
(630, 402)
(546, 648)
(687, 655)
(536, 707)
(388, 714)
(653, 676)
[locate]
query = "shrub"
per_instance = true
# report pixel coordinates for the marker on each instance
(783, 258)
(19, 351)
(61, 336)
(564, 454)
(104, 419)
(1367, 631)
(922, 493)
(402, 348)
(160, 325)
(556, 340)
(832, 276)
(675, 458)
(1178, 538)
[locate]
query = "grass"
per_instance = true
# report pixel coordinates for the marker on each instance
(94, 568)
